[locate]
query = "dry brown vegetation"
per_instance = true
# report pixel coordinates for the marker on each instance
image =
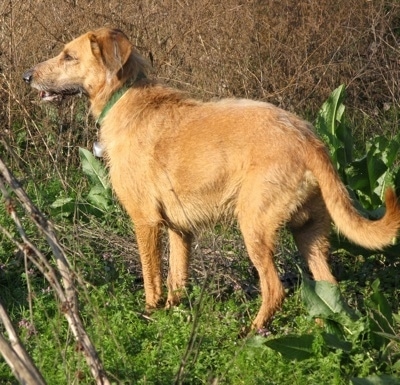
(290, 53)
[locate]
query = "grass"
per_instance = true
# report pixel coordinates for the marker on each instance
(202, 341)
(202, 335)
(138, 351)
(199, 342)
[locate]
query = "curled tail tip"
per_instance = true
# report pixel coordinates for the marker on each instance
(386, 229)
(392, 203)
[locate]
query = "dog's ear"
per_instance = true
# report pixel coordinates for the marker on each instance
(111, 46)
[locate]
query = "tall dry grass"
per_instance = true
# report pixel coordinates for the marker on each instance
(290, 53)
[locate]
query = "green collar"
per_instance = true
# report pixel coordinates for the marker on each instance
(116, 96)
(114, 99)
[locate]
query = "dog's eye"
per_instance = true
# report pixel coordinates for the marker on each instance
(68, 57)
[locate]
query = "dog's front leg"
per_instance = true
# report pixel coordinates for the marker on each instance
(148, 239)
(178, 265)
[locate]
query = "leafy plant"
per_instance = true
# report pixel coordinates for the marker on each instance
(331, 127)
(367, 176)
(100, 194)
(369, 338)
(98, 200)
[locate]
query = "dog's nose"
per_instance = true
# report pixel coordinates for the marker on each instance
(27, 76)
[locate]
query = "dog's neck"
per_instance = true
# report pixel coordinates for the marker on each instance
(113, 99)
(116, 96)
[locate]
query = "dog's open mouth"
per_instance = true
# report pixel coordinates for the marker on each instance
(48, 96)
(57, 96)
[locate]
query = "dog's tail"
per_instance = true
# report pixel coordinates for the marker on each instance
(371, 234)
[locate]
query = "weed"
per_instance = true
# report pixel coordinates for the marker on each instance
(367, 343)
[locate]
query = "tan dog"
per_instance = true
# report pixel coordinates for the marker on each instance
(185, 164)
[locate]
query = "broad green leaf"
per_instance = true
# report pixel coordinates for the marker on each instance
(334, 342)
(293, 347)
(389, 154)
(367, 176)
(93, 168)
(330, 127)
(323, 299)
(376, 170)
(357, 174)
(333, 326)
(256, 342)
(330, 113)
(376, 380)
(60, 202)
(345, 153)
(64, 206)
(396, 366)
(388, 149)
(100, 197)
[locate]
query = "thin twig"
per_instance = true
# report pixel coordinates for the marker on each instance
(64, 288)
(15, 354)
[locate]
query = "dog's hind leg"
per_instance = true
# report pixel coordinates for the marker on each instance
(260, 247)
(148, 239)
(178, 265)
(311, 227)
(259, 218)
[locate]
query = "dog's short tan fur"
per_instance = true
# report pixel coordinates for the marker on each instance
(184, 164)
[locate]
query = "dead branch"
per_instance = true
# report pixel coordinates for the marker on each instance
(16, 356)
(61, 280)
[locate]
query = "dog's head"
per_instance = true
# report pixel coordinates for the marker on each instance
(95, 64)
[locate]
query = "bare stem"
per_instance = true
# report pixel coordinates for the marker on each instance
(61, 279)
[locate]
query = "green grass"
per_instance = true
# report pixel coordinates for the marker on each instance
(204, 332)
(203, 340)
